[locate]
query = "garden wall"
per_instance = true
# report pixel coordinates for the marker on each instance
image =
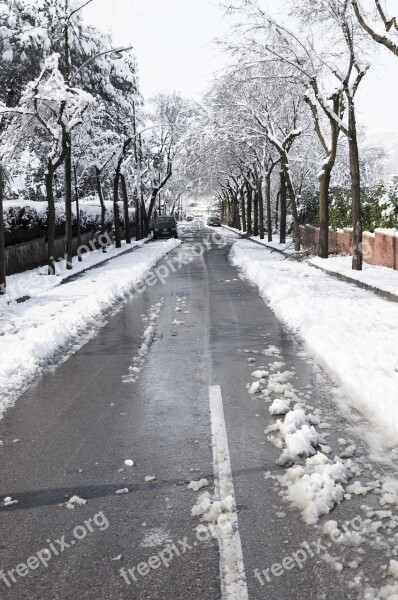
(32, 254)
(379, 248)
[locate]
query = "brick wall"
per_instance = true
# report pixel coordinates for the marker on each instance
(379, 248)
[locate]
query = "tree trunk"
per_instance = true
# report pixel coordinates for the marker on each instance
(145, 220)
(68, 204)
(282, 202)
(243, 208)
(260, 211)
(126, 209)
(357, 257)
(79, 231)
(235, 201)
(324, 213)
(116, 215)
(3, 281)
(102, 203)
(137, 216)
(51, 219)
(325, 184)
(269, 215)
(249, 209)
(293, 206)
(255, 224)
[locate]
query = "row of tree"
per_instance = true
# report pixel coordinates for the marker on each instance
(72, 118)
(276, 129)
(283, 114)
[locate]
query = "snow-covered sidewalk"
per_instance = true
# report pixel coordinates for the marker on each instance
(35, 282)
(381, 280)
(288, 246)
(59, 318)
(374, 277)
(351, 333)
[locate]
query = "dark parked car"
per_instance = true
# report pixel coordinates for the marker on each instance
(190, 218)
(214, 221)
(165, 227)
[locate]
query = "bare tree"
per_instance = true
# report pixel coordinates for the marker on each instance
(390, 24)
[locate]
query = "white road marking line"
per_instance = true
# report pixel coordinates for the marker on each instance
(232, 570)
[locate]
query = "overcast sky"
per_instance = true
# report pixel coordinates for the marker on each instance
(172, 41)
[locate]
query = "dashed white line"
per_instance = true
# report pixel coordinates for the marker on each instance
(232, 570)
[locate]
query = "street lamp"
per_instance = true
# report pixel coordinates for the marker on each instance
(2, 241)
(68, 158)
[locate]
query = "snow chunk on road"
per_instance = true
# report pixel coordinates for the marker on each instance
(276, 365)
(388, 592)
(393, 568)
(389, 492)
(279, 407)
(300, 443)
(315, 488)
(254, 388)
(8, 501)
(198, 485)
(260, 374)
(300, 438)
(357, 489)
(330, 527)
(74, 502)
(210, 509)
(272, 351)
(202, 505)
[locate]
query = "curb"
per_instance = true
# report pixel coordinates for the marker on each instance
(365, 286)
(361, 284)
(244, 236)
(74, 276)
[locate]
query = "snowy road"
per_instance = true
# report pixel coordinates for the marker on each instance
(165, 384)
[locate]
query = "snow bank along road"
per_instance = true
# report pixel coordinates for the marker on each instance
(192, 449)
(56, 319)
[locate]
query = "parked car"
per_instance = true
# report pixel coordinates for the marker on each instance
(165, 227)
(214, 221)
(190, 218)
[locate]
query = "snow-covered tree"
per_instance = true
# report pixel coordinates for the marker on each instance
(388, 35)
(54, 109)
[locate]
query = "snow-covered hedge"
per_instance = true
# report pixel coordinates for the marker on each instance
(30, 215)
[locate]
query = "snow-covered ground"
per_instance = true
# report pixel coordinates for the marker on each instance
(351, 333)
(287, 247)
(382, 278)
(60, 319)
(36, 282)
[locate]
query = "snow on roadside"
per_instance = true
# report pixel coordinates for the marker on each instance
(382, 278)
(33, 333)
(36, 282)
(317, 479)
(311, 481)
(350, 332)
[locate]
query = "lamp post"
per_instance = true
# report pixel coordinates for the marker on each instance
(68, 140)
(2, 241)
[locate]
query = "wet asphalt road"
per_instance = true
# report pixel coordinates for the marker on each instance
(81, 421)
